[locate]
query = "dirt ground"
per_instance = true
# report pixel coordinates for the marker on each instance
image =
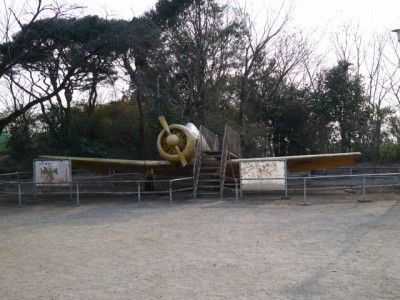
(203, 249)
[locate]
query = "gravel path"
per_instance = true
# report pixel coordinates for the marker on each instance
(201, 250)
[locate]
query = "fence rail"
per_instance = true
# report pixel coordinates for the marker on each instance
(363, 185)
(327, 183)
(27, 191)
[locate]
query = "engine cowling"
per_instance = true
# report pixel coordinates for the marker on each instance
(186, 142)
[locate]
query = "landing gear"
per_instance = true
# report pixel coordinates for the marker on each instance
(150, 178)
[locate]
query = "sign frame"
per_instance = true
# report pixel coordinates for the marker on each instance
(52, 172)
(263, 174)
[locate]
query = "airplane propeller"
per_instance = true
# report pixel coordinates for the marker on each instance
(172, 140)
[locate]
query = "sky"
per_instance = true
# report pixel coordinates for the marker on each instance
(318, 19)
(323, 15)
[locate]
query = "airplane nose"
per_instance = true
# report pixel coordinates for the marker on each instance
(172, 140)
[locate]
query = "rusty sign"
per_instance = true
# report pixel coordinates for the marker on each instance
(263, 175)
(52, 172)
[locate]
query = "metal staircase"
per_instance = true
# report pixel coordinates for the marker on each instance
(209, 179)
(211, 162)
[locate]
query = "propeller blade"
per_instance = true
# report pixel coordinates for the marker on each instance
(164, 124)
(181, 157)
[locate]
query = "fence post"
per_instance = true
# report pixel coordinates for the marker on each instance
(19, 195)
(138, 194)
(286, 197)
(397, 177)
(241, 188)
(77, 195)
(236, 190)
(286, 188)
(364, 187)
(364, 198)
(351, 178)
(170, 191)
(305, 192)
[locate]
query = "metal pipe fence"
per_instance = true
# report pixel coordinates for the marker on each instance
(350, 183)
(325, 184)
(29, 191)
(358, 169)
(363, 185)
(16, 176)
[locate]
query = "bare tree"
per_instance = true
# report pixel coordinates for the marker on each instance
(259, 48)
(371, 60)
(345, 43)
(392, 68)
(23, 89)
(200, 59)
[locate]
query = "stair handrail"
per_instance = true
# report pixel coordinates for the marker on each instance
(230, 146)
(207, 141)
(233, 141)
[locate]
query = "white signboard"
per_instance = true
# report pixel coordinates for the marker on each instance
(52, 172)
(263, 175)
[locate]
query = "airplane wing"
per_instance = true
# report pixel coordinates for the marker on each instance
(298, 163)
(320, 161)
(301, 163)
(102, 165)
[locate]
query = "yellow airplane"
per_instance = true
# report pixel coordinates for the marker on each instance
(182, 148)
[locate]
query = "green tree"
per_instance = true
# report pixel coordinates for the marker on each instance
(166, 12)
(289, 119)
(199, 59)
(69, 135)
(56, 61)
(23, 133)
(340, 102)
(116, 128)
(79, 54)
(137, 40)
(286, 122)
(19, 49)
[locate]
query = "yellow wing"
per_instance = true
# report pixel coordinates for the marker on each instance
(162, 167)
(102, 165)
(302, 163)
(320, 161)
